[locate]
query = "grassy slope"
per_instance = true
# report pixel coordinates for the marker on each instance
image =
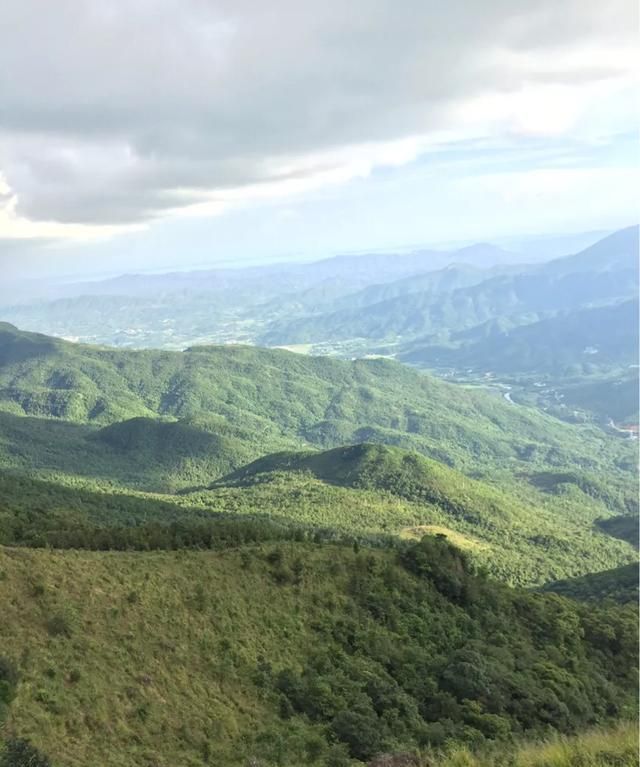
(152, 659)
(617, 747)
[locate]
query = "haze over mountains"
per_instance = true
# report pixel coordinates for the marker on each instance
(319, 380)
(472, 310)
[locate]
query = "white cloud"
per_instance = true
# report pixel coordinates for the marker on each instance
(116, 113)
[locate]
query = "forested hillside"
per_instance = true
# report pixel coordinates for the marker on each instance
(294, 654)
(111, 436)
(268, 397)
(619, 585)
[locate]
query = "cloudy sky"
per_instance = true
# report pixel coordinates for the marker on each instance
(154, 133)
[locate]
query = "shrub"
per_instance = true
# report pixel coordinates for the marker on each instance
(20, 753)
(59, 625)
(8, 681)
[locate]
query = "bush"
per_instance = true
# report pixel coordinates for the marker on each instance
(8, 680)
(59, 625)
(20, 753)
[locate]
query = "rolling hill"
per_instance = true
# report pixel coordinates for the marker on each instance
(160, 422)
(130, 424)
(271, 397)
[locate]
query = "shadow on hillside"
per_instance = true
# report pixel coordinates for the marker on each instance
(18, 345)
(623, 527)
(139, 454)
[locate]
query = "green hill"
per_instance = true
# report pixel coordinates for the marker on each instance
(293, 654)
(369, 493)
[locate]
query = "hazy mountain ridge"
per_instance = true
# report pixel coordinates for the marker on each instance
(174, 309)
(605, 272)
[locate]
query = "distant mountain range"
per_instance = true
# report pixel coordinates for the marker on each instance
(376, 299)
(431, 304)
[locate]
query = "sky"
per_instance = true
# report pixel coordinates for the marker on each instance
(147, 135)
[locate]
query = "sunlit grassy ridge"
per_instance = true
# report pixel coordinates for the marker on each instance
(366, 490)
(615, 747)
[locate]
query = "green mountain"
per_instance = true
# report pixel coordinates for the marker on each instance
(293, 654)
(568, 343)
(271, 397)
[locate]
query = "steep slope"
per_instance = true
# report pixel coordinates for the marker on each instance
(290, 654)
(616, 252)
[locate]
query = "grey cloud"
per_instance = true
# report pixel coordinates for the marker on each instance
(108, 109)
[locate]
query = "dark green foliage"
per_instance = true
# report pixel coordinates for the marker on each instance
(429, 651)
(20, 753)
(447, 567)
(58, 625)
(627, 528)
(8, 682)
